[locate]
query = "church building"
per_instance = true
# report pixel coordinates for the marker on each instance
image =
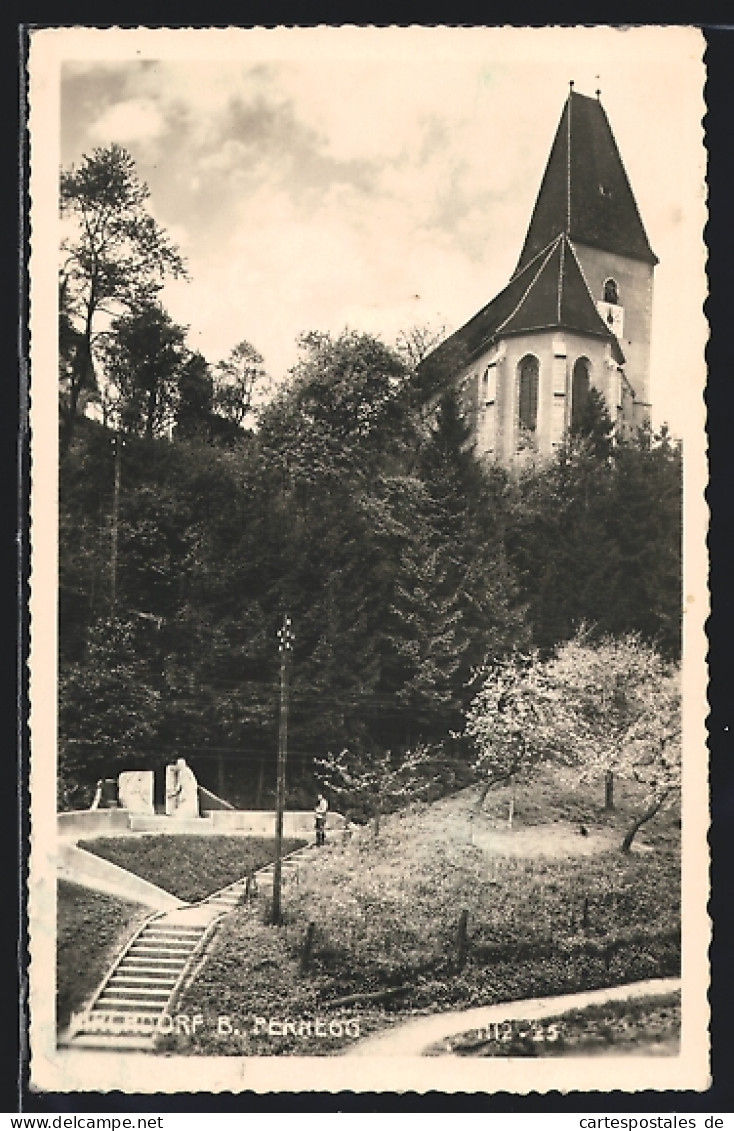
(576, 313)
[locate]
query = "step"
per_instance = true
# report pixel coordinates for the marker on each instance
(131, 1042)
(150, 966)
(165, 943)
(161, 925)
(155, 981)
(127, 1005)
(155, 958)
(164, 949)
(113, 992)
(143, 972)
(174, 931)
(168, 938)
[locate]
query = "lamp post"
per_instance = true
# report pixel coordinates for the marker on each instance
(285, 647)
(115, 520)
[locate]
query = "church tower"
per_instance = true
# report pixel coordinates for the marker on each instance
(577, 311)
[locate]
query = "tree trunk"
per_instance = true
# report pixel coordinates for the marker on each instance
(491, 783)
(646, 816)
(152, 408)
(82, 375)
(608, 790)
(511, 812)
(259, 791)
(462, 941)
(307, 947)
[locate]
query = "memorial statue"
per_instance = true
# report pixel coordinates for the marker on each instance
(182, 790)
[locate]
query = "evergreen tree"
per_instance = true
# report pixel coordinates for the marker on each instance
(195, 399)
(108, 708)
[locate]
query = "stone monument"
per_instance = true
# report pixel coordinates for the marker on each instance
(182, 790)
(135, 791)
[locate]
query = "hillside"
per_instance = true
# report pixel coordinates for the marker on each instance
(548, 910)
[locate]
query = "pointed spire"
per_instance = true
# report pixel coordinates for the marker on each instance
(585, 191)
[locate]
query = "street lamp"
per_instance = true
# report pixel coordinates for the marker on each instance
(285, 647)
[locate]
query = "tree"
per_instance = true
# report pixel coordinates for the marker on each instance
(507, 721)
(143, 356)
(195, 398)
(606, 707)
(344, 416)
(595, 536)
(616, 709)
(115, 258)
(645, 522)
(414, 344)
(593, 427)
(236, 381)
(374, 785)
(108, 708)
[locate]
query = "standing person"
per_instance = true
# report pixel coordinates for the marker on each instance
(322, 807)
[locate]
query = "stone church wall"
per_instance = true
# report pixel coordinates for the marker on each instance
(635, 281)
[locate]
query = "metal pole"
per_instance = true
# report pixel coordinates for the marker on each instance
(115, 517)
(285, 638)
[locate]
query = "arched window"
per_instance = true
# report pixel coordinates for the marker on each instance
(611, 292)
(528, 374)
(579, 390)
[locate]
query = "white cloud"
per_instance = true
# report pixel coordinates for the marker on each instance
(135, 120)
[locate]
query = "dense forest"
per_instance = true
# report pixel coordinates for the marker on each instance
(198, 504)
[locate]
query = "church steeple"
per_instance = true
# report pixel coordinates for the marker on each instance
(585, 191)
(577, 312)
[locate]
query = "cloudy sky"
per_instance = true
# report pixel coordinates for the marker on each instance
(383, 178)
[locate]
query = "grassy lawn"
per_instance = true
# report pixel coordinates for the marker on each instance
(92, 928)
(189, 867)
(617, 1028)
(545, 915)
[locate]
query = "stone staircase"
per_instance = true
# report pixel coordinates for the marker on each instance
(228, 898)
(128, 1008)
(135, 1002)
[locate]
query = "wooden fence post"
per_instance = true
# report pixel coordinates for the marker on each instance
(462, 941)
(307, 945)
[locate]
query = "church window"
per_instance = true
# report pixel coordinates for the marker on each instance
(611, 292)
(528, 373)
(579, 391)
(489, 392)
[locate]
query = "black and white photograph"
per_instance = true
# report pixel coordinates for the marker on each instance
(368, 560)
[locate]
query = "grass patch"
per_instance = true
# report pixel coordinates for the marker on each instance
(189, 867)
(632, 1026)
(92, 928)
(386, 914)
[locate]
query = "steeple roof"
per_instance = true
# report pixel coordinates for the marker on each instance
(548, 293)
(585, 191)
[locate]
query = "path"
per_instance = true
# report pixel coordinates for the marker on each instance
(412, 1038)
